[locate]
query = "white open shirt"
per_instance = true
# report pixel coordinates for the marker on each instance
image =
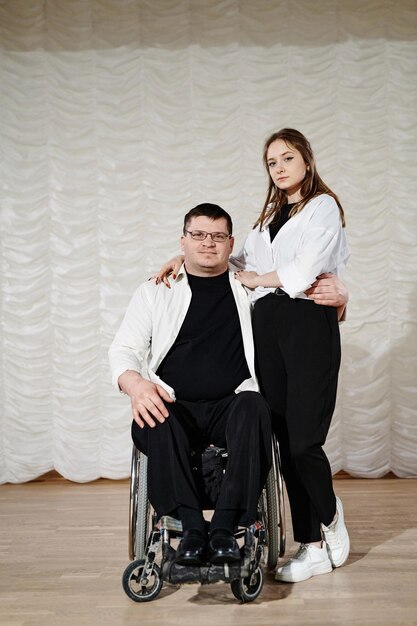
(310, 243)
(152, 322)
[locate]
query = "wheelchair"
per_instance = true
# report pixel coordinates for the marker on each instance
(153, 558)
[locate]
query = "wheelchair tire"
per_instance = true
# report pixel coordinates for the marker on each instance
(142, 511)
(139, 508)
(248, 589)
(272, 522)
(281, 511)
(131, 579)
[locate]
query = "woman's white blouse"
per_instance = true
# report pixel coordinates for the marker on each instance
(310, 243)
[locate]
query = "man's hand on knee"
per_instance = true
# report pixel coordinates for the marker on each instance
(147, 399)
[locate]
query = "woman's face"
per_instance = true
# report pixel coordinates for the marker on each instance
(287, 168)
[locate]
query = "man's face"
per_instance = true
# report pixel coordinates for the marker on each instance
(207, 257)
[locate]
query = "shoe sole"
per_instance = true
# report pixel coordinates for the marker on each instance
(321, 568)
(189, 561)
(345, 555)
(221, 560)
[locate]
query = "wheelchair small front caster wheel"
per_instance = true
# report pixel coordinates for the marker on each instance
(248, 589)
(138, 589)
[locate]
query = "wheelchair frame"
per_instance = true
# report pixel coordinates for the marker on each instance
(143, 578)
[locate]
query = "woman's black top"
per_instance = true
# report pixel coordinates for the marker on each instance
(279, 222)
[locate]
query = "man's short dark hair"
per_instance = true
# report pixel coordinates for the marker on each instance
(213, 211)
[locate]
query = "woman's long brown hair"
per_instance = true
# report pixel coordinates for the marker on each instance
(311, 187)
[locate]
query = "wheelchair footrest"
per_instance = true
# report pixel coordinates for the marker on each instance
(204, 574)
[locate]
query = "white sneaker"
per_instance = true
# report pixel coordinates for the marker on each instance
(307, 562)
(337, 538)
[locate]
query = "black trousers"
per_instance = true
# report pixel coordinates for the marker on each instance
(240, 422)
(297, 346)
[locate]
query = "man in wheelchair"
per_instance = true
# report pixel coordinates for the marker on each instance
(185, 357)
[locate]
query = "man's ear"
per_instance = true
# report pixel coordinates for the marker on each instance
(232, 243)
(182, 238)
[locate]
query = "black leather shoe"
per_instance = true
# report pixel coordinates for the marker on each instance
(223, 548)
(192, 549)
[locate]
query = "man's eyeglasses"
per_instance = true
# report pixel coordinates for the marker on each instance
(200, 235)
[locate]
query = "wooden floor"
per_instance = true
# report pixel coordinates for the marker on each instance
(63, 549)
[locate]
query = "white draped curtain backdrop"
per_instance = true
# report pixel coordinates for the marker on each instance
(117, 117)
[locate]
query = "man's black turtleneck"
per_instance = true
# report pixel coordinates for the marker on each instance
(207, 360)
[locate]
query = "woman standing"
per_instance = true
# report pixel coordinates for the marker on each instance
(298, 236)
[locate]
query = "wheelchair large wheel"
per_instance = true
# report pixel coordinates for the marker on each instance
(139, 508)
(132, 586)
(248, 589)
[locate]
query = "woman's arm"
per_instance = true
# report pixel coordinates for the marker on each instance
(317, 245)
(253, 280)
(328, 289)
(170, 267)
